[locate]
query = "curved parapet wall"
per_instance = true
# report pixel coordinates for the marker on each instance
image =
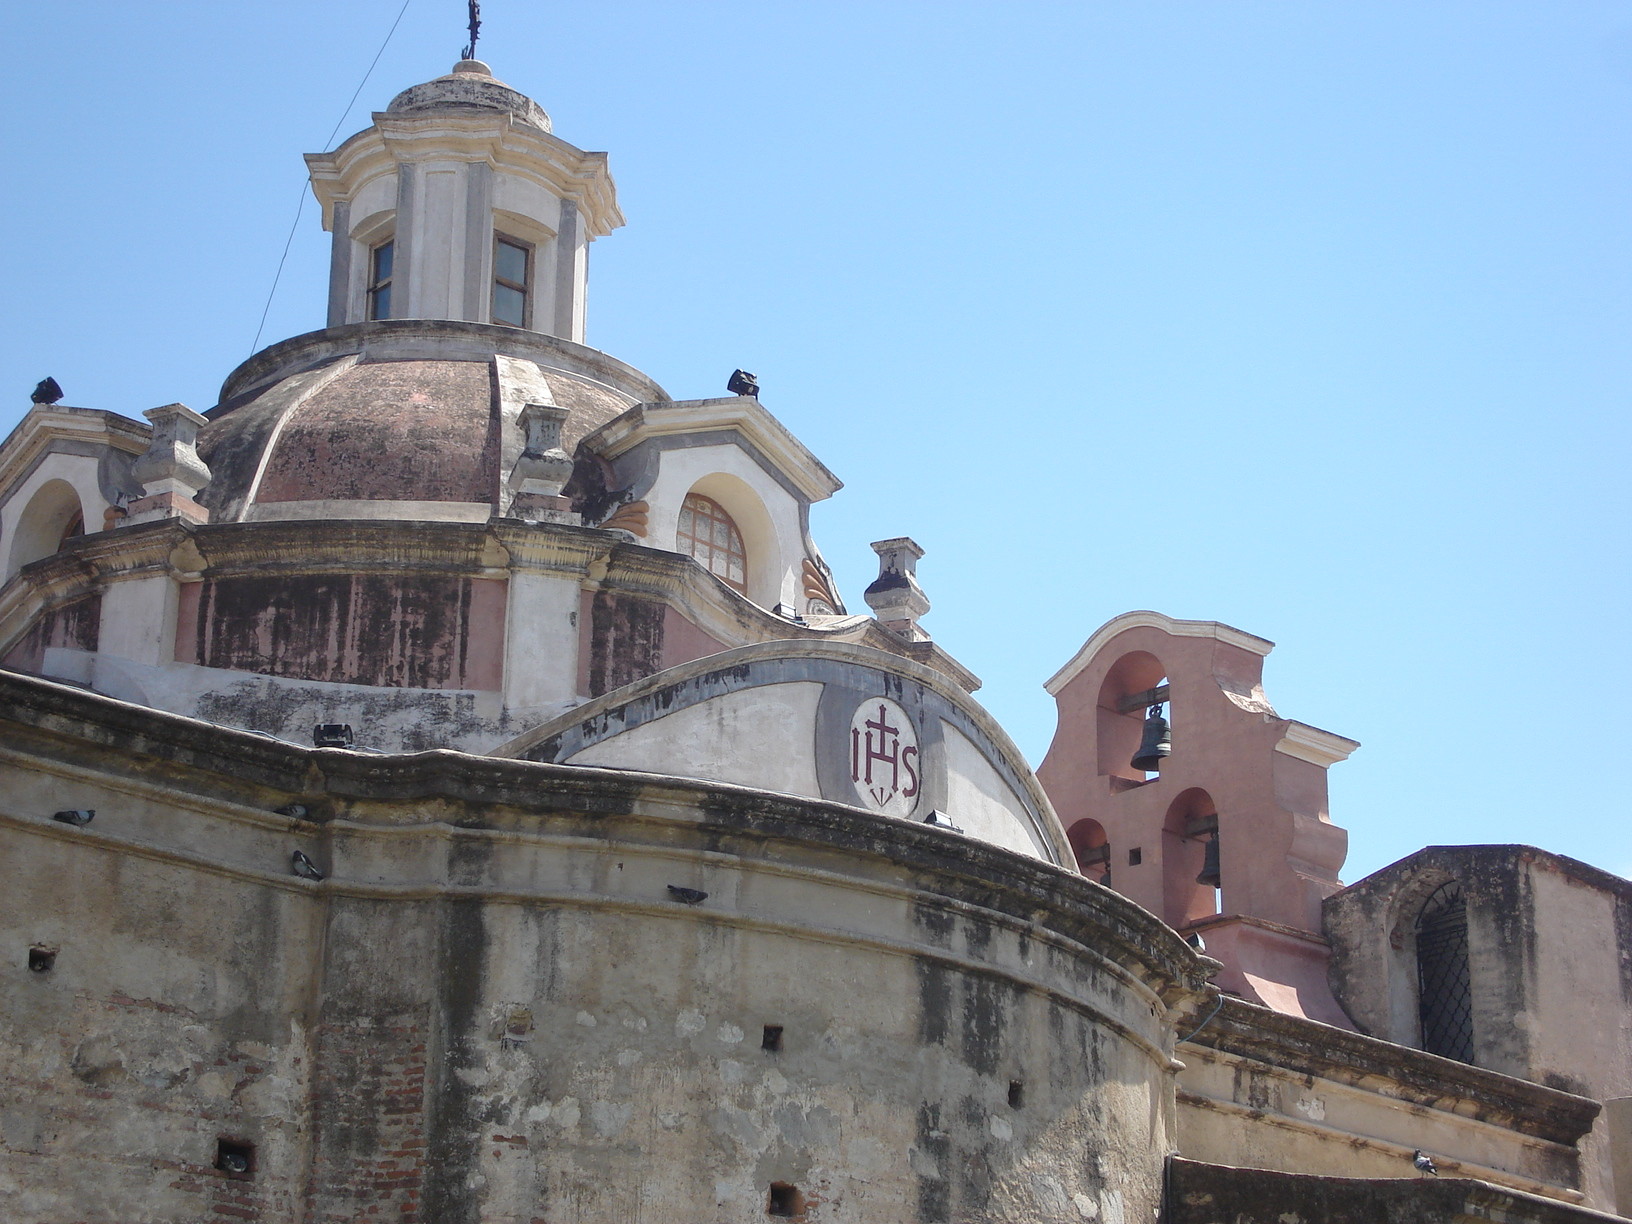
(827, 720)
(590, 994)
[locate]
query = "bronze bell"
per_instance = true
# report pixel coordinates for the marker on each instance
(1156, 743)
(1210, 874)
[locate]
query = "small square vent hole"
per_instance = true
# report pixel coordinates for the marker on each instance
(235, 1158)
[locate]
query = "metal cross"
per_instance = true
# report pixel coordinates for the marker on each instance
(475, 26)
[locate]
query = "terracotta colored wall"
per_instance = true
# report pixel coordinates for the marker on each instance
(76, 625)
(624, 639)
(423, 631)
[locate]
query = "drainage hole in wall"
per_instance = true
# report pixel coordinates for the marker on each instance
(235, 1158)
(773, 1038)
(40, 960)
(785, 1200)
(1017, 1094)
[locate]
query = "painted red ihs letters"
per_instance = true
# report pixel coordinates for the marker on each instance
(883, 754)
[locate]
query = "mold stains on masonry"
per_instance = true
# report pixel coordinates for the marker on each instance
(75, 626)
(394, 631)
(625, 641)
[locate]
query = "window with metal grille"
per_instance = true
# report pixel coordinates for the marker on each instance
(708, 534)
(1444, 995)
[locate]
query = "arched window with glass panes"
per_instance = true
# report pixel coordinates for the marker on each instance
(710, 535)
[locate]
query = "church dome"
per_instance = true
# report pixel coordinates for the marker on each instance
(397, 419)
(471, 85)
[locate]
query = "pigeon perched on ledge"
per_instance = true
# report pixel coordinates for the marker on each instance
(1424, 1163)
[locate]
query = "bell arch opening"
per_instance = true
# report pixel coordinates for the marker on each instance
(1133, 684)
(1092, 849)
(1192, 858)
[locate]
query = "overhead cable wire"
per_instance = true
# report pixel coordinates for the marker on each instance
(300, 207)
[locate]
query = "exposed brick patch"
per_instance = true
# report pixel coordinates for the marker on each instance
(368, 1127)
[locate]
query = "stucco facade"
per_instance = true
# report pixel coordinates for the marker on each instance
(637, 876)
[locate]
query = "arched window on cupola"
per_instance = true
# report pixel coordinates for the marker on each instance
(1444, 987)
(711, 536)
(52, 517)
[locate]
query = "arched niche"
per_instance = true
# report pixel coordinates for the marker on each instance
(49, 519)
(1444, 985)
(1191, 821)
(1118, 729)
(763, 557)
(1092, 849)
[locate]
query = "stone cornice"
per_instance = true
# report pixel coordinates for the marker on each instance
(740, 414)
(1308, 1047)
(493, 137)
(433, 340)
(1227, 634)
(1307, 743)
(494, 549)
(45, 424)
(488, 798)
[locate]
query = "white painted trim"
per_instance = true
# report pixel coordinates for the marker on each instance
(743, 414)
(1227, 634)
(1323, 748)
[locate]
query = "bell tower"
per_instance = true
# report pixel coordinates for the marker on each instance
(458, 202)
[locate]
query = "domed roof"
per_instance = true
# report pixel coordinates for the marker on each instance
(404, 414)
(470, 86)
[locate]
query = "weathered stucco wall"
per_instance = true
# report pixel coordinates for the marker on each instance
(495, 1007)
(1210, 1194)
(1550, 1002)
(1272, 1091)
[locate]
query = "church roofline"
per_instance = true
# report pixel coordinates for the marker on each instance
(1227, 634)
(741, 413)
(432, 340)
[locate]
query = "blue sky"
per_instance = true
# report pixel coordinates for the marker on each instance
(1311, 319)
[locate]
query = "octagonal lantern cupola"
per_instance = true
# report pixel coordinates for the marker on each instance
(458, 202)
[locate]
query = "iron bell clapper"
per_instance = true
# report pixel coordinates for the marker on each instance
(1155, 744)
(1209, 865)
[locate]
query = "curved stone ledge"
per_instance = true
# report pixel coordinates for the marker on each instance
(430, 339)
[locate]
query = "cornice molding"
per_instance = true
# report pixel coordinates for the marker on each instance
(1227, 634)
(44, 425)
(528, 800)
(740, 414)
(1307, 743)
(493, 137)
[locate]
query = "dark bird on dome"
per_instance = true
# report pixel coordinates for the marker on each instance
(743, 383)
(304, 867)
(1424, 1163)
(48, 392)
(687, 896)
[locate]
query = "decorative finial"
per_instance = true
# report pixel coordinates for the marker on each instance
(895, 596)
(475, 27)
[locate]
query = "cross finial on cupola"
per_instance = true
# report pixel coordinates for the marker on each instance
(475, 29)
